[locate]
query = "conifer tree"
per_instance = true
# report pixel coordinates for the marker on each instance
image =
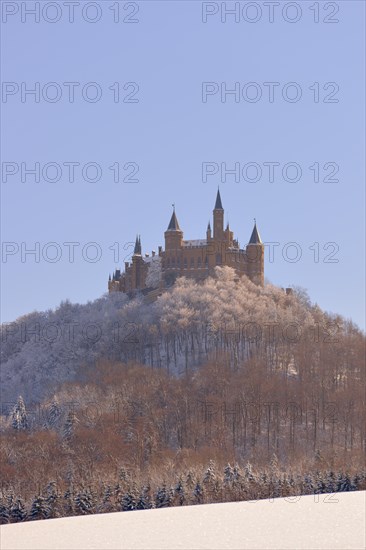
(163, 497)
(321, 485)
(331, 483)
(210, 474)
(53, 414)
(129, 499)
(274, 467)
(345, 483)
(117, 491)
(69, 501)
(107, 494)
(228, 474)
(18, 512)
(19, 415)
(52, 498)
(190, 480)
(4, 514)
(84, 502)
(144, 501)
(308, 485)
(248, 473)
(39, 509)
(179, 491)
(198, 493)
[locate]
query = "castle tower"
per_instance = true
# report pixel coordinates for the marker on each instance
(137, 265)
(229, 235)
(173, 235)
(208, 232)
(255, 257)
(218, 219)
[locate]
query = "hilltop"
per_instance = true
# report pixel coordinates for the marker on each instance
(181, 330)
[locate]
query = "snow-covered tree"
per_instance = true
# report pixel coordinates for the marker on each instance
(144, 501)
(209, 476)
(274, 464)
(53, 414)
(345, 483)
(162, 497)
(39, 509)
(84, 502)
(18, 512)
(236, 473)
(248, 472)
(124, 476)
(19, 415)
(198, 493)
(4, 514)
(129, 499)
(179, 491)
(68, 505)
(228, 474)
(52, 498)
(154, 273)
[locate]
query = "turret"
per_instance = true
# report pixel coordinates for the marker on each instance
(173, 235)
(255, 257)
(208, 232)
(137, 249)
(229, 235)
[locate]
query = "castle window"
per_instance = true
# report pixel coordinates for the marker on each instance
(178, 261)
(185, 263)
(168, 262)
(218, 259)
(199, 265)
(206, 261)
(192, 263)
(173, 262)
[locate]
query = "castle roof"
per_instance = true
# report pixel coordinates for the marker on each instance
(255, 237)
(173, 224)
(218, 203)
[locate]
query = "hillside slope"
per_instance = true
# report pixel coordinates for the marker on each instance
(324, 522)
(179, 331)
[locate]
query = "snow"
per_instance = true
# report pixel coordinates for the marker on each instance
(308, 522)
(194, 242)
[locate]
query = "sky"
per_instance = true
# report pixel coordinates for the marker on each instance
(144, 87)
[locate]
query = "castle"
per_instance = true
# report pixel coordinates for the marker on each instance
(194, 258)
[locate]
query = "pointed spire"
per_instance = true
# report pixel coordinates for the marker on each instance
(137, 249)
(209, 226)
(173, 224)
(255, 237)
(218, 204)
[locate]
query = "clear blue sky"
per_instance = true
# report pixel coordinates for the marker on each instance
(170, 132)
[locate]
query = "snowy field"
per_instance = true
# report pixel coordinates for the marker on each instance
(323, 522)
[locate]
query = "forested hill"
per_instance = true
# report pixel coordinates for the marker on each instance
(186, 326)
